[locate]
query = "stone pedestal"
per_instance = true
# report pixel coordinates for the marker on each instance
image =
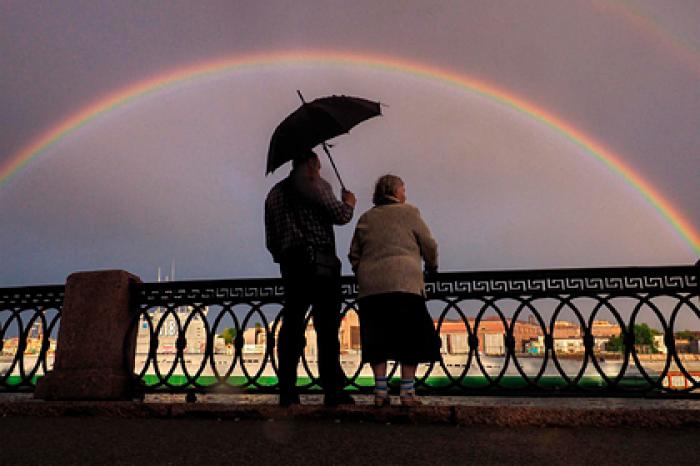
(94, 337)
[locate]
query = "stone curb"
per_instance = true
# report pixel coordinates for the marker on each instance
(503, 416)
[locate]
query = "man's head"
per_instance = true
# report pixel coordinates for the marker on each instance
(308, 163)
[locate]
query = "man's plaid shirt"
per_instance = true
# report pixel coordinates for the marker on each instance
(292, 219)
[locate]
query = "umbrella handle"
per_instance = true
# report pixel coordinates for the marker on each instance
(325, 149)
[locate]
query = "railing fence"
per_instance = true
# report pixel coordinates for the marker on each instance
(587, 332)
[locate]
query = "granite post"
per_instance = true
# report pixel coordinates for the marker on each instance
(96, 341)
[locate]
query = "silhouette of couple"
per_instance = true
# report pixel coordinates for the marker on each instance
(389, 244)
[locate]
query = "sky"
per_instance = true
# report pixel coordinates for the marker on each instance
(176, 174)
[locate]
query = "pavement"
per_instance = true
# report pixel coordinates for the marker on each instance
(240, 429)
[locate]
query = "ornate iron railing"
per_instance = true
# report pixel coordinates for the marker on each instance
(527, 311)
(29, 317)
(502, 332)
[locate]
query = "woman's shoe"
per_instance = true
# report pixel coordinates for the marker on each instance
(381, 401)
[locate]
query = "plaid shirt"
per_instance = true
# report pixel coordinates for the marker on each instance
(293, 220)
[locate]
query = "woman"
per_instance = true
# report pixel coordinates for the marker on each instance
(386, 251)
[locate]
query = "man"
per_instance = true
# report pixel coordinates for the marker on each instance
(300, 212)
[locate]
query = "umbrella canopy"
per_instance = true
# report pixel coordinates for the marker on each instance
(314, 123)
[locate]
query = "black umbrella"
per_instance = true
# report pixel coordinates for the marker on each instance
(315, 123)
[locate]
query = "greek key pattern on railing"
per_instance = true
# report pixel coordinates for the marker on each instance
(462, 304)
(181, 322)
(28, 318)
(32, 295)
(213, 291)
(574, 281)
(566, 281)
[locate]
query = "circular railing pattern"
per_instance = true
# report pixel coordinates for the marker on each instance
(541, 301)
(29, 320)
(169, 315)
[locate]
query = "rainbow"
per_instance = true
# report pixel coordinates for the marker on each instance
(134, 92)
(643, 21)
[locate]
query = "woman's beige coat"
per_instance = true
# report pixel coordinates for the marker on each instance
(387, 247)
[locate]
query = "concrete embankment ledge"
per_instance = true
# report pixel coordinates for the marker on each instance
(511, 412)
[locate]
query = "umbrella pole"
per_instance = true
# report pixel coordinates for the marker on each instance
(325, 149)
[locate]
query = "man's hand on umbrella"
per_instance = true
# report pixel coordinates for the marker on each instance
(348, 198)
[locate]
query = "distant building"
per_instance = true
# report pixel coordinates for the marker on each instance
(688, 341)
(255, 338)
(528, 335)
(35, 340)
(166, 323)
(493, 344)
(660, 344)
(10, 345)
(568, 345)
(491, 334)
(564, 330)
(454, 338)
(348, 335)
(535, 346)
(220, 345)
(685, 345)
(605, 329)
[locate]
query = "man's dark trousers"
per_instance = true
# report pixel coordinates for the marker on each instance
(303, 289)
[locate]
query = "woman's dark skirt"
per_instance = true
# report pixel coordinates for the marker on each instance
(397, 327)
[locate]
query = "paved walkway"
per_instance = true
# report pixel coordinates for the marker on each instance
(462, 411)
(106, 441)
(253, 430)
(102, 440)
